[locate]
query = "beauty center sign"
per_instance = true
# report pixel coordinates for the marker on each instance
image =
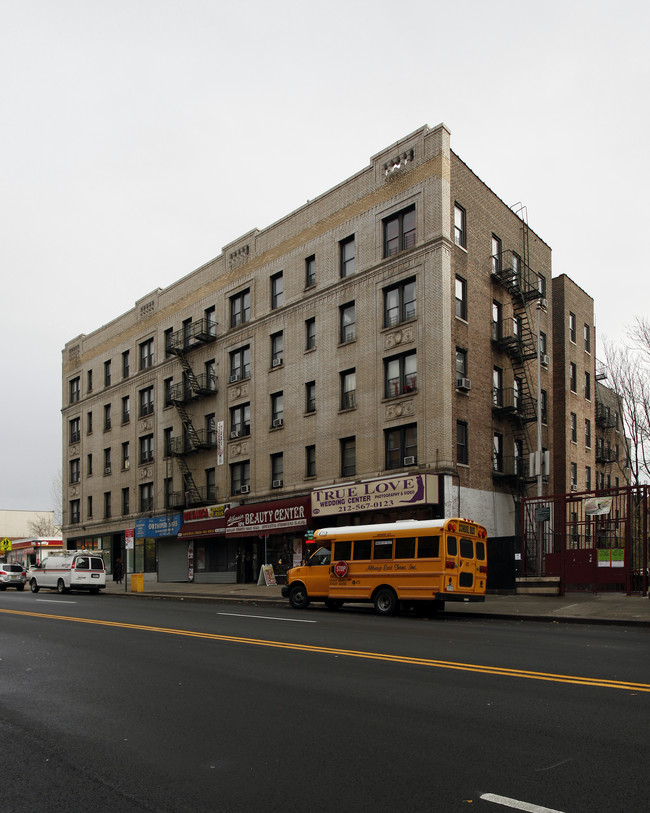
(279, 517)
(376, 495)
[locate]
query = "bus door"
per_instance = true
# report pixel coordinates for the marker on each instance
(319, 569)
(462, 570)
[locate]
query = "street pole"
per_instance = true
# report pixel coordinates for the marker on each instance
(540, 525)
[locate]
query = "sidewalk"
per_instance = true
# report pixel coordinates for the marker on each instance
(603, 608)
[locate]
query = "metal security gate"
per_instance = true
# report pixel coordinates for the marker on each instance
(592, 541)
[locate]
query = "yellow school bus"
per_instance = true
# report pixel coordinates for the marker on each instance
(419, 563)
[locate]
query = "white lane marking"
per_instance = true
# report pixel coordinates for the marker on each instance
(270, 618)
(516, 804)
(55, 601)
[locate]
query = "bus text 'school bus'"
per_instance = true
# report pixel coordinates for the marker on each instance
(419, 563)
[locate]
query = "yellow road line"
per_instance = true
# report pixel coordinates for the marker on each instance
(352, 653)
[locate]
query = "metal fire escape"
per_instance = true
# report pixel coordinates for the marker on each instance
(516, 338)
(192, 387)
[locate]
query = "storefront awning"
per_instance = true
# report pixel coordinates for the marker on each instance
(202, 528)
(277, 517)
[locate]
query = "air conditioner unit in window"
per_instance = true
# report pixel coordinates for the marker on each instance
(244, 490)
(276, 362)
(574, 487)
(409, 461)
(234, 378)
(277, 484)
(278, 422)
(543, 303)
(234, 434)
(545, 360)
(463, 384)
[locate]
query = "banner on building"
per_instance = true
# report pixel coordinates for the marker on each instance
(155, 527)
(376, 495)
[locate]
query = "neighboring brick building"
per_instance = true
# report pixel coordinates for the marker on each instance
(372, 353)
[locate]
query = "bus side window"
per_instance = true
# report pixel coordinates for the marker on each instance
(428, 547)
(466, 548)
(383, 549)
(452, 546)
(342, 549)
(362, 549)
(480, 551)
(405, 548)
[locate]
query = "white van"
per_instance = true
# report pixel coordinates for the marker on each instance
(69, 570)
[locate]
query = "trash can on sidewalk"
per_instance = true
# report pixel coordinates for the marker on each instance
(137, 583)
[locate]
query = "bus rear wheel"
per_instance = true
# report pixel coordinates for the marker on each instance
(386, 602)
(298, 597)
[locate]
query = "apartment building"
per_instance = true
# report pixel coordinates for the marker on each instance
(377, 354)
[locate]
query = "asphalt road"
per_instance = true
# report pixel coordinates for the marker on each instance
(172, 706)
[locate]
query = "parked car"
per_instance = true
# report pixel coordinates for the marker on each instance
(12, 575)
(69, 570)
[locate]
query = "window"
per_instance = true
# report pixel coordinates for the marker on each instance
(497, 386)
(310, 396)
(277, 470)
(240, 421)
(126, 501)
(460, 235)
(399, 303)
(75, 511)
(497, 452)
(126, 455)
(310, 271)
(107, 460)
(348, 389)
(574, 476)
(541, 286)
(89, 509)
(573, 377)
(146, 497)
(347, 323)
(211, 429)
(240, 477)
(168, 339)
(401, 446)
(240, 363)
(310, 333)
(187, 332)
(461, 298)
(168, 436)
(400, 374)
(89, 384)
(107, 505)
(126, 364)
(462, 452)
(587, 335)
(310, 461)
(574, 427)
(587, 433)
(588, 478)
(209, 314)
(75, 470)
(89, 465)
(240, 308)
(277, 349)
(126, 409)
(107, 417)
(168, 494)
(277, 410)
(89, 423)
(496, 255)
(346, 256)
(518, 453)
(572, 327)
(399, 231)
(146, 401)
(107, 373)
(497, 317)
(543, 409)
(75, 430)
(348, 457)
(168, 384)
(277, 291)
(461, 363)
(211, 484)
(588, 386)
(146, 449)
(75, 389)
(146, 354)
(542, 343)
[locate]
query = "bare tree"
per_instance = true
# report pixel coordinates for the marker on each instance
(629, 372)
(43, 526)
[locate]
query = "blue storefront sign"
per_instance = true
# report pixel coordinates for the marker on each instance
(154, 527)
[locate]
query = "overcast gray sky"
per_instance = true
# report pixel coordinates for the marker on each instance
(138, 137)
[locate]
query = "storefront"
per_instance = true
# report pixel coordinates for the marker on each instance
(154, 537)
(32, 551)
(209, 557)
(268, 533)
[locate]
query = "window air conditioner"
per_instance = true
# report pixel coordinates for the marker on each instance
(545, 360)
(409, 461)
(277, 484)
(543, 303)
(107, 470)
(277, 362)
(234, 378)
(278, 422)
(244, 489)
(234, 434)
(574, 487)
(463, 384)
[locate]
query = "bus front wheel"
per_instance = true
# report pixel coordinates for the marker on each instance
(298, 597)
(386, 602)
